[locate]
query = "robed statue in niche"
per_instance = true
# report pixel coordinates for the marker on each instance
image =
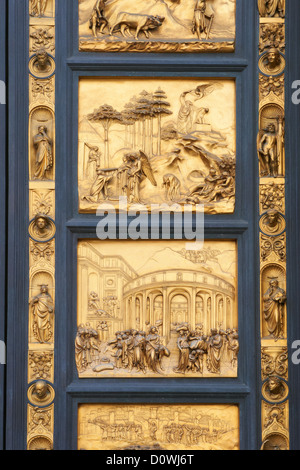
(273, 307)
(42, 311)
(43, 156)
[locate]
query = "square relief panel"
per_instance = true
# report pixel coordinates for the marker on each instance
(157, 142)
(154, 309)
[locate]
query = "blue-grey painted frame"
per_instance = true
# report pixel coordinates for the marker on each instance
(3, 200)
(17, 226)
(72, 226)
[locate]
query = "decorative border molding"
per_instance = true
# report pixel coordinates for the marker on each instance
(41, 225)
(272, 212)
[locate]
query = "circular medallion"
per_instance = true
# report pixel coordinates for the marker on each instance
(41, 65)
(275, 390)
(42, 228)
(272, 223)
(272, 62)
(40, 393)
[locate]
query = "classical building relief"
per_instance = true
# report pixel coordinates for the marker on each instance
(171, 314)
(165, 427)
(160, 141)
(164, 26)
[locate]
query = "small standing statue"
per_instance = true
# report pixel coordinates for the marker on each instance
(272, 8)
(201, 15)
(44, 157)
(270, 145)
(98, 20)
(42, 309)
(274, 300)
(38, 7)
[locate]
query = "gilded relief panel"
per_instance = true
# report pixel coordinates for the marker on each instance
(157, 25)
(158, 427)
(157, 141)
(154, 309)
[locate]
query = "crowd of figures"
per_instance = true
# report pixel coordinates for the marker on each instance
(87, 346)
(137, 349)
(194, 346)
(173, 433)
(189, 434)
(140, 351)
(119, 432)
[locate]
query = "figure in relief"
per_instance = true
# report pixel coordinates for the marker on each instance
(272, 62)
(188, 111)
(38, 7)
(42, 311)
(172, 186)
(157, 25)
(202, 13)
(270, 148)
(44, 157)
(157, 151)
(273, 306)
(98, 20)
(271, 8)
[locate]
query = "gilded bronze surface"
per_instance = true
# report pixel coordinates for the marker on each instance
(157, 25)
(272, 224)
(41, 228)
(158, 141)
(160, 427)
(153, 309)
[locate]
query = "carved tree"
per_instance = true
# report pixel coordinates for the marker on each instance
(160, 108)
(107, 116)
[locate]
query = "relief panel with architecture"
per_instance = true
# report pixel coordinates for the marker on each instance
(158, 427)
(154, 309)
